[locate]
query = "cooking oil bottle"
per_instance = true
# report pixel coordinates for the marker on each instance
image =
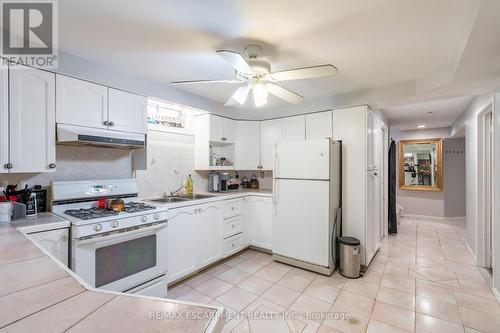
(189, 185)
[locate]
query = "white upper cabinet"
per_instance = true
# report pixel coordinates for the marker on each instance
(127, 112)
(81, 103)
(4, 118)
(270, 134)
(222, 129)
(319, 125)
(32, 120)
(247, 145)
(294, 128)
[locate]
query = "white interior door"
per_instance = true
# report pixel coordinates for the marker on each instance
(303, 159)
(301, 222)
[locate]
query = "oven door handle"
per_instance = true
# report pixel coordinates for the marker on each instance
(98, 239)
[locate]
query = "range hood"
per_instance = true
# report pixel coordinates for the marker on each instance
(79, 135)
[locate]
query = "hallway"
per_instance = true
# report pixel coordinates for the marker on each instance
(422, 280)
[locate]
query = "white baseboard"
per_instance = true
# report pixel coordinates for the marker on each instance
(471, 252)
(440, 218)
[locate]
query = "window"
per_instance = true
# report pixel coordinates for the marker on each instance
(164, 115)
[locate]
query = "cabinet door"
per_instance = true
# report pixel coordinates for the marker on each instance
(182, 257)
(319, 125)
(270, 135)
(245, 221)
(370, 125)
(81, 103)
(247, 145)
(216, 128)
(32, 120)
(4, 118)
(127, 112)
(294, 128)
(209, 237)
(228, 130)
(261, 218)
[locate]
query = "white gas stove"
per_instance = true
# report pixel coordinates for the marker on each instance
(120, 251)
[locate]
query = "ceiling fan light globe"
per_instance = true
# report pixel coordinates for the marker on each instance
(260, 94)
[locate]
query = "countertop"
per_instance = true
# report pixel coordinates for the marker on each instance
(38, 293)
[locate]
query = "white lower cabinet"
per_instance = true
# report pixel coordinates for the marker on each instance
(182, 257)
(208, 234)
(261, 218)
(55, 241)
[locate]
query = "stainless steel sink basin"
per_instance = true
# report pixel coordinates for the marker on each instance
(182, 198)
(169, 199)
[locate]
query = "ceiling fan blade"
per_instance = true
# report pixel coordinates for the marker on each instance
(239, 97)
(236, 60)
(284, 93)
(305, 73)
(180, 83)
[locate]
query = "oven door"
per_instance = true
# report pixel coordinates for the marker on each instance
(124, 259)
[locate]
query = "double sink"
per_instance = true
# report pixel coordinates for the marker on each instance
(182, 198)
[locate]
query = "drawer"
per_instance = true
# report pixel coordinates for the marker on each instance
(232, 226)
(232, 245)
(231, 208)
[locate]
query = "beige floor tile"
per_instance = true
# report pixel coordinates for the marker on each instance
(485, 322)
(269, 273)
(233, 276)
(194, 296)
(427, 324)
(249, 266)
(294, 281)
(372, 277)
(281, 266)
(248, 254)
(213, 288)
(362, 288)
(335, 280)
(394, 316)
(397, 298)
(322, 291)
(471, 330)
(485, 304)
(255, 285)
(263, 258)
(327, 329)
(474, 289)
(352, 324)
(355, 304)
(434, 275)
(381, 259)
(304, 273)
(281, 295)
(25, 302)
(234, 261)
(403, 284)
(178, 290)
(197, 280)
(219, 269)
(376, 267)
(376, 326)
(437, 309)
(236, 298)
(307, 306)
(395, 270)
(435, 291)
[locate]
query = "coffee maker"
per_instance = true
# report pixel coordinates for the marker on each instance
(213, 182)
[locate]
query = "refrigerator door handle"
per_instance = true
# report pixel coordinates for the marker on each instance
(275, 194)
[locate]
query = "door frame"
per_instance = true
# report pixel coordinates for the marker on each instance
(485, 177)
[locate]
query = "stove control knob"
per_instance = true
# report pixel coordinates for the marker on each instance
(144, 219)
(114, 224)
(156, 216)
(97, 227)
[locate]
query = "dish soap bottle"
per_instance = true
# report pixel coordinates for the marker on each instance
(189, 185)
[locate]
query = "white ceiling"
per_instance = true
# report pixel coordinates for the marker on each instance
(432, 114)
(373, 43)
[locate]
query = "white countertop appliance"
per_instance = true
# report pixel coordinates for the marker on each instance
(307, 202)
(122, 251)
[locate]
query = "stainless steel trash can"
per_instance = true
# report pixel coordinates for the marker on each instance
(350, 262)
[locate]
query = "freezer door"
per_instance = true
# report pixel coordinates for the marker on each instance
(303, 159)
(301, 223)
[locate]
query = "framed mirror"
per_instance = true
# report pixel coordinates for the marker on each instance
(421, 165)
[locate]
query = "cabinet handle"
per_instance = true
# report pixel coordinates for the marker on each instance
(259, 166)
(52, 165)
(223, 139)
(8, 166)
(111, 123)
(106, 123)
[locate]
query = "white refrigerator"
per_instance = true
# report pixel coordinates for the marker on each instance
(307, 202)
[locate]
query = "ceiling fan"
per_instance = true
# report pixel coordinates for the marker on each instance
(257, 77)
